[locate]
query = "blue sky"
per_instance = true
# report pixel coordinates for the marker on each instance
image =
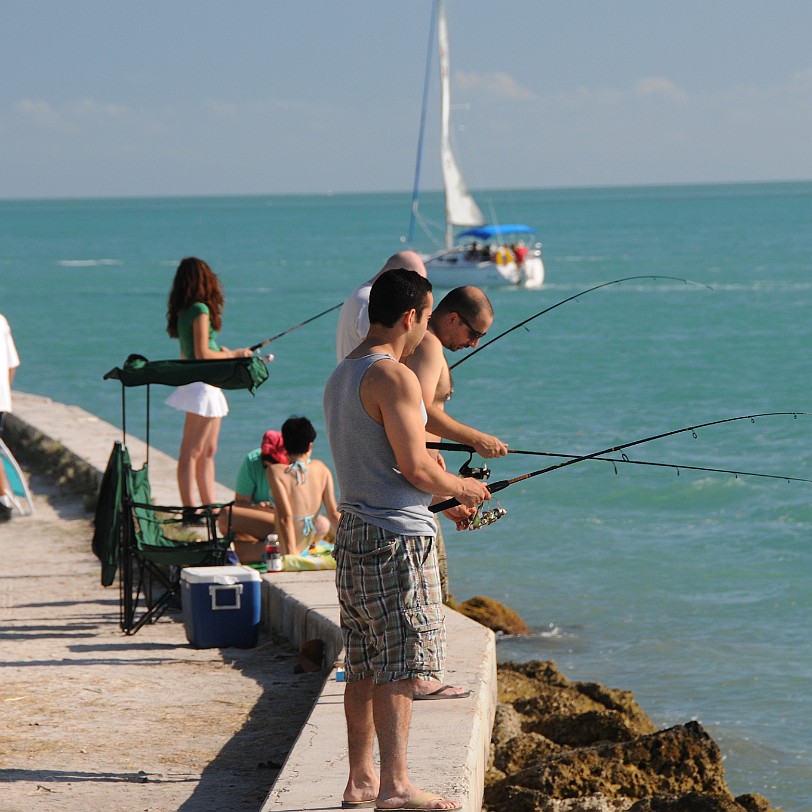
(183, 97)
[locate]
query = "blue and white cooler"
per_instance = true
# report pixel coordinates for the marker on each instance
(221, 606)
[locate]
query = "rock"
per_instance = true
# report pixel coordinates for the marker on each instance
(507, 724)
(583, 729)
(521, 751)
(494, 615)
(687, 802)
(561, 746)
(754, 803)
(528, 680)
(570, 713)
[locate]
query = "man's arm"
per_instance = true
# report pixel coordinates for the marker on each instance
(427, 363)
(391, 394)
(443, 425)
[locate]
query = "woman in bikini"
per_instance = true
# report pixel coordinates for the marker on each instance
(299, 490)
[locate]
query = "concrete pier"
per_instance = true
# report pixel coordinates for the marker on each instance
(450, 739)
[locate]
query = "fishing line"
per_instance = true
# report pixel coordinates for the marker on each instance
(267, 341)
(624, 460)
(569, 299)
(504, 483)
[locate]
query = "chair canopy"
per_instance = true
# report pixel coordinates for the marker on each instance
(224, 373)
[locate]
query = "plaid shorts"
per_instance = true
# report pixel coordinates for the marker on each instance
(391, 608)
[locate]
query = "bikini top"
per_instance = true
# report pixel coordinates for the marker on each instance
(299, 470)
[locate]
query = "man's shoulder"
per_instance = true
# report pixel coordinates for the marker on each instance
(428, 354)
(388, 376)
(385, 367)
(431, 342)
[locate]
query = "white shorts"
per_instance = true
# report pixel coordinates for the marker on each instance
(199, 398)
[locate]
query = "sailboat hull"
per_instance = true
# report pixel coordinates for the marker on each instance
(453, 268)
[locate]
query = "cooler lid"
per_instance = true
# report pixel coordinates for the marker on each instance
(219, 575)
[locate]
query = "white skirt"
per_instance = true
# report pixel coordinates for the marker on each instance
(199, 398)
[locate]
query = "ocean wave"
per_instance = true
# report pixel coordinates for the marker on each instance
(87, 263)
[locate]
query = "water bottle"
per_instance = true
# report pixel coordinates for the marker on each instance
(272, 556)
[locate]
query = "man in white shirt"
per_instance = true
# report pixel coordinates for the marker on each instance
(9, 361)
(353, 318)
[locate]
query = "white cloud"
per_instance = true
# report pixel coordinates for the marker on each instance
(40, 112)
(70, 116)
(493, 85)
(584, 98)
(96, 109)
(659, 86)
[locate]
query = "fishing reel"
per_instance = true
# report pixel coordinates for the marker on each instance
(481, 472)
(481, 518)
(485, 517)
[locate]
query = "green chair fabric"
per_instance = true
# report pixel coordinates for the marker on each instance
(150, 520)
(107, 524)
(150, 560)
(226, 373)
(132, 537)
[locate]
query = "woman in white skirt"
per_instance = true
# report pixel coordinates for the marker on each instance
(194, 317)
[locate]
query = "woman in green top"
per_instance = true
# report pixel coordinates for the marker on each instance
(194, 317)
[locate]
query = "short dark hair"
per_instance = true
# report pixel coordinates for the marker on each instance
(396, 292)
(297, 434)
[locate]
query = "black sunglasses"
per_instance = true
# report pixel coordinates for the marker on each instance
(475, 333)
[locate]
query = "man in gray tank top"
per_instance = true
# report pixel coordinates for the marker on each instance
(386, 568)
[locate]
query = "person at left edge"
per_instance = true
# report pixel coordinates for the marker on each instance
(9, 361)
(194, 317)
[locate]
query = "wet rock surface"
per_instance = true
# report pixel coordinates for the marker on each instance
(562, 746)
(489, 612)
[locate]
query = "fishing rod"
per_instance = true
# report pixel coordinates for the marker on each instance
(267, 341)
(569, 299)
(484, 472)
(504, 483)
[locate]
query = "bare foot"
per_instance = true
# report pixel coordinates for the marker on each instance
(434, 689)
(360, 793)
(418, 801)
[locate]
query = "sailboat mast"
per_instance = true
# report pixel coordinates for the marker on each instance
(460, 207)
(419, 162)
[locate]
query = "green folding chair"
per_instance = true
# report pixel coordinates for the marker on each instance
(144, 543)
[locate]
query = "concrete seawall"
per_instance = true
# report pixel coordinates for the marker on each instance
(450, 739)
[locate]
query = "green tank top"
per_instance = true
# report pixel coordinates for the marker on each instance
(186, 319)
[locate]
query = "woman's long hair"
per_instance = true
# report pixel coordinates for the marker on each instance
(194, 282)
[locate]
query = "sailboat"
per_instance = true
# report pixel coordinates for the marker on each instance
(483, 254)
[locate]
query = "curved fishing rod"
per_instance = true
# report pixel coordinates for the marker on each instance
(267, 341)
(504, 483)
(623, 460)
(569, 299)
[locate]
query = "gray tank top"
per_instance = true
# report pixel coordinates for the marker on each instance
(369, 483)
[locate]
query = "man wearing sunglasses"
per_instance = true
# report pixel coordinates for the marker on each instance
(460, 320)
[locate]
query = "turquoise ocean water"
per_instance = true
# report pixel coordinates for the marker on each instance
(690, 590)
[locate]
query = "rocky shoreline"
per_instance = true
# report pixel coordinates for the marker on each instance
(562, 746)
